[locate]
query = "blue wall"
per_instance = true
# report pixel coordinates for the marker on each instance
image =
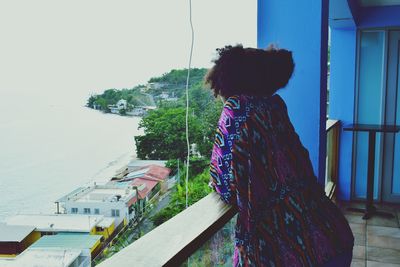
(341, 99)
(301, 26)
(343, 80)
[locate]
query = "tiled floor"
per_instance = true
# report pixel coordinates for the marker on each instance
(377, 240)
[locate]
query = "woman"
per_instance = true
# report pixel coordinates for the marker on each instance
(259, 166)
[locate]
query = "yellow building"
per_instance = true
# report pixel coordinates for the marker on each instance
(89, 244)
(105, 227)
(14, 239)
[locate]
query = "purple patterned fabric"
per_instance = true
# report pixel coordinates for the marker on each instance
(259, 166)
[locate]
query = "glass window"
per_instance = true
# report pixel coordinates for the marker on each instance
(96, 211)
(74, 210)
(86, 210)
(114, 213)
(369, 104)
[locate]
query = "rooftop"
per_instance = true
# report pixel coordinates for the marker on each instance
(106, 195)
(150, 172)
(144, 185)
(138, 172)
(142, 163)
(14, 233)
(56, 222)
(101, 193)
(74, 192)
(43, 258)
(106, 222)
(68, 240)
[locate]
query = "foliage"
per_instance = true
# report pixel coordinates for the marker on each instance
(172, 164)
(197, 189)
(133, 96)
(164, 129)
(217, 251)
(165, 134)
(197, 165)
(209, 119)
(175, 81)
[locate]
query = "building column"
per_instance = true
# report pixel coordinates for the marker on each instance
(302, 27)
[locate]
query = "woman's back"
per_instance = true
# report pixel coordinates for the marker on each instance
(260, 166)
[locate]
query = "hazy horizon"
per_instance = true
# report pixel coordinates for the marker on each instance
(54, 54)
(70, 49)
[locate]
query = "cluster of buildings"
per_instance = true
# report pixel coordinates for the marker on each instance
(122, 104)
(164, 96)
(86, 221)
(122, 107)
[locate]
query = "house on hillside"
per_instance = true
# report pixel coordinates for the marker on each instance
(149, 180)
(155, 85)
(134, 165)
(89, 245)
(151, 173)
(14, 239)
(108, 200)
(137, 111)
(48, 257)
(50, 224)
(122, 104)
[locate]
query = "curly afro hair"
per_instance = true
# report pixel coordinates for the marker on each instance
(250, 71)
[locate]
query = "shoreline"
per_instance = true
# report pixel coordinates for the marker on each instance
(112, 169)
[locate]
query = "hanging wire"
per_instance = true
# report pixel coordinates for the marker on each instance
(187, 100)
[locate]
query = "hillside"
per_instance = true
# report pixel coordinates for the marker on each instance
(169, 87)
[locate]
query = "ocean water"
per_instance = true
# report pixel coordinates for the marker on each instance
(49, 145)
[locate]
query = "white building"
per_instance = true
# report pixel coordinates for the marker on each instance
(108, 200)
(155, 85)
(139, 111)
(163, 95)
(55, 223)
(121, 104)
(48, 257)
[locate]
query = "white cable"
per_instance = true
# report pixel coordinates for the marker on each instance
(187, 101)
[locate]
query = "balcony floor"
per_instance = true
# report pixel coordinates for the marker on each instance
(377, 240)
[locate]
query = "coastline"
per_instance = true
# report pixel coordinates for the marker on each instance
(113, 168)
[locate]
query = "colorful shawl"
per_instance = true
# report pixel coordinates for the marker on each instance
(260, 166)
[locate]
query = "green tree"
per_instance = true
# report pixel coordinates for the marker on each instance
(91, 101)
(209, 119)
(197, 189)
(103, 104)
(165, 134)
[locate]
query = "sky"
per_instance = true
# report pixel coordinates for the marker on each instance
(66, 50)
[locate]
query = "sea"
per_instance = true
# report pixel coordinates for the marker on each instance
(50, 145)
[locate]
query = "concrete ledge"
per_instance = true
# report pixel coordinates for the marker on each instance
(174, 241)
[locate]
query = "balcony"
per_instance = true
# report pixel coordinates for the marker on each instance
(174, 243)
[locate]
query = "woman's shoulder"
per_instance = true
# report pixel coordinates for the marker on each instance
(234, 102)
(237, 102)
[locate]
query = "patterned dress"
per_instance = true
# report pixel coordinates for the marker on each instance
(259, 166)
